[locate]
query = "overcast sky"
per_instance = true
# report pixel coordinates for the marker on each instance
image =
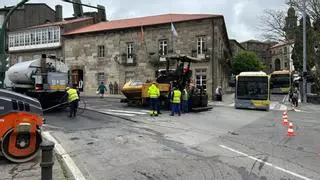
(241, 16)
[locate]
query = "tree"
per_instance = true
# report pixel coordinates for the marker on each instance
(246, 61)
(272, 24)
(297, 52)
(312, 7)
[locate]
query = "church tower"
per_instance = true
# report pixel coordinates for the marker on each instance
(291, 24)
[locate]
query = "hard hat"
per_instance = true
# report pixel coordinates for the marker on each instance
(67, 88)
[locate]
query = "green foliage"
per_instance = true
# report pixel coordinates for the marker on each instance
(297, 53)
(246, 61)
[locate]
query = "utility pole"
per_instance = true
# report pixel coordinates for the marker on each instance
(304, 74)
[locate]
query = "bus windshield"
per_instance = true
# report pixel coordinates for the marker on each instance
(280, 80)
(252, 88)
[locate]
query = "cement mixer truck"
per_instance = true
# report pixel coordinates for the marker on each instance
(44, 78)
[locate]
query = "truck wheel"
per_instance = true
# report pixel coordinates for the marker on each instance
(24, 149)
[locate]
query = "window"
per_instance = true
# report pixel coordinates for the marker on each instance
(27, 38)
(130, 52)
(163, 47)
(285, 65)
(38, 36)
(32, 37)
(101, 51)
(44, 36)
(100, 77)
(56, 35)
(21, 39)
(201, 78)
(201, 45)
(50, 35)
(11, 41)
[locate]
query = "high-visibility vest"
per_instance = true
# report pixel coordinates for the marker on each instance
(72, 95)
(153, 91)
(176, 96)
(185, 95)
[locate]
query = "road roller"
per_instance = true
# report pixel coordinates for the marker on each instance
(21, 119)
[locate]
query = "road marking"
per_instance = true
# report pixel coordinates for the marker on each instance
(129, 112)
(285, 98)
(65, 156)
(266, 163)
(116, 113)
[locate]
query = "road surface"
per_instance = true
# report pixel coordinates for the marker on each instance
(123, 142)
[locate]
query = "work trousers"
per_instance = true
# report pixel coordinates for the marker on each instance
(154, 105)
(175, 107)
(73, 105)
(185, 106)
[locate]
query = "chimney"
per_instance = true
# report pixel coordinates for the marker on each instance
(58, 13)
(101, 13)
(77, 8)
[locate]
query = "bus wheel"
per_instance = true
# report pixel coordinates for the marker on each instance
(20, 148)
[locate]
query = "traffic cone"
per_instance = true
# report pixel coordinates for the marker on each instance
(285, 120)
(284, 113)
(290, 129)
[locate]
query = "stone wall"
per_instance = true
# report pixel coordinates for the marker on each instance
(81, 52)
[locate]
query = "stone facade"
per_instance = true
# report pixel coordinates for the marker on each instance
(235, 46)
(281, 56)
(260, 48)
(81, 52)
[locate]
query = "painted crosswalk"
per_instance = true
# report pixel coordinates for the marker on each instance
(118, 112)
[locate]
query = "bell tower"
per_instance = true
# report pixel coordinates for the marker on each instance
(291, 23)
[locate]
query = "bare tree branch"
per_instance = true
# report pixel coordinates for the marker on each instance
(272, 23)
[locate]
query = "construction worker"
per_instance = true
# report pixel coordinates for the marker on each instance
(73, 100)
(176, 100)
(185, 98)
(158, 100)
(154, 94)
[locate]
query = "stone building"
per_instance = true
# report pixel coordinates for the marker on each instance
(281, 56)
(260, 48)
(291, 24)
(120, 50)
(29, 14)
(236, 47)
(30, 42)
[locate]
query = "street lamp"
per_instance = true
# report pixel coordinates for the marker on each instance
(304, 82)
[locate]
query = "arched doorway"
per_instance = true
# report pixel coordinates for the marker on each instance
(277, 65)
(76, 77)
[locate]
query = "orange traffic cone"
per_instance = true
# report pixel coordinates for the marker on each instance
(290, 129)
(285, 120)
(284, 113)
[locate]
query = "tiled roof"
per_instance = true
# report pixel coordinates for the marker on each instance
(140, 21)
(59, 23)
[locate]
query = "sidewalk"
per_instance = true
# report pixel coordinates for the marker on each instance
(31, 170)
(107, 95)
(227, 100)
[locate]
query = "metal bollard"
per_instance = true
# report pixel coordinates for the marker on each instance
(46, 160)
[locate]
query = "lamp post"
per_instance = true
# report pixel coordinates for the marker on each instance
(304, 74)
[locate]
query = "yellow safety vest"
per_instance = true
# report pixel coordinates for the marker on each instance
(185, 95)
(72, 95)
(153, 91)
(176, 96)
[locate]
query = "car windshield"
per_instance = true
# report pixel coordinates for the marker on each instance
(279, 80)
(252, 88)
